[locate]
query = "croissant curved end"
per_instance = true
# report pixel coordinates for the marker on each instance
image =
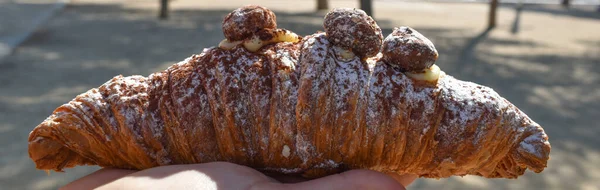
(533, 151)
(47, 150)
(49, 154)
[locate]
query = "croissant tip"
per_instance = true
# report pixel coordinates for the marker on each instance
(533, 151)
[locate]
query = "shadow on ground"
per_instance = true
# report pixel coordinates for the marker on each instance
(86, 45)
(579, 11)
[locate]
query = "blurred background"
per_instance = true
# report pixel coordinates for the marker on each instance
(542, 55)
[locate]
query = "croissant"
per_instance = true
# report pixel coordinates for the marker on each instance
(315, 105)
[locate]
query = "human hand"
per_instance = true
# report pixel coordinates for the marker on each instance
(224, 175)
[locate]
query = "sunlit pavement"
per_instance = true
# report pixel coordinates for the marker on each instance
(544, 59)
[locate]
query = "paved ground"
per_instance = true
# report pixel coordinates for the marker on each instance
(20, 18)
(544, 59)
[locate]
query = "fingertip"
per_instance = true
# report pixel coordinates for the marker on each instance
(97, 179)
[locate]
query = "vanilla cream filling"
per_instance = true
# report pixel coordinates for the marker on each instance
(226, 44)
(255, 43)
(343, 54)
(286, 151)
(430, 74)
(279, 36)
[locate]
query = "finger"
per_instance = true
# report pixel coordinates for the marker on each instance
(354, 179)
(98, 178)
(214, 175)
(404, 179)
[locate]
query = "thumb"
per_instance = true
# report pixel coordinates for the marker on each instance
(354, 179)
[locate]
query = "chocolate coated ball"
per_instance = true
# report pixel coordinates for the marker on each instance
(243, 22)
(408, 50)
(353, 29)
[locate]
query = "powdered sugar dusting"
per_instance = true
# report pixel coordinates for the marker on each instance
(346, 77)
(526, 144)
(126, 94)
(466, 102)
(533, 143)
(327, 164)
(315, 71)
(285, 86)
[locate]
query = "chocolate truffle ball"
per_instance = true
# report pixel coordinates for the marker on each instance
(353, 29)
(243, 22)
(408, 50)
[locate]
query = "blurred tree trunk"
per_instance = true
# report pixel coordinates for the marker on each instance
(566, 3)
(322, 5)
(164, 9)
(367, 6)
(492, 17)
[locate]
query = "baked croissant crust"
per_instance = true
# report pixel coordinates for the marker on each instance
(306, 107)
